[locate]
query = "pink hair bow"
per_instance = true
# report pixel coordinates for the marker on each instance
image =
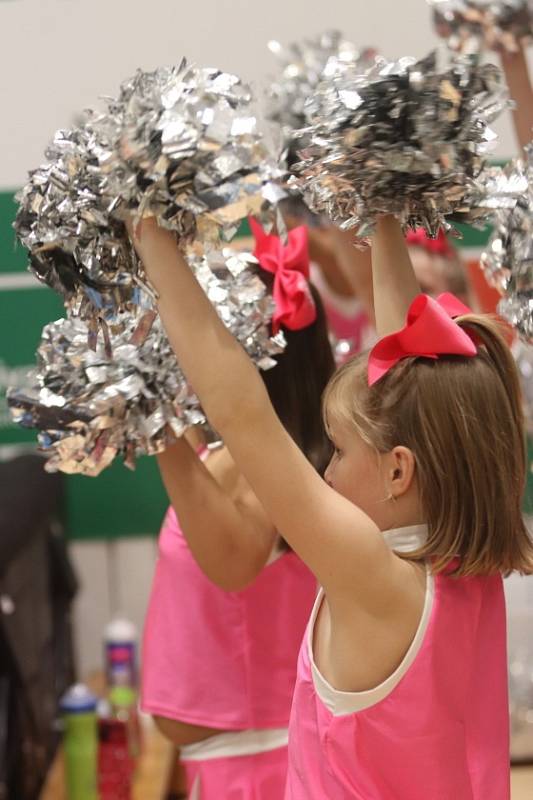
(295, 307)
(430, 331)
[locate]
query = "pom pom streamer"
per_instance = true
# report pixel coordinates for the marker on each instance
(302, 65)
(471, 25)
(194, 153)
(180, 144)
(90, 408)
(495, 190)
(76, 247)
(406, 138)
(508, 260)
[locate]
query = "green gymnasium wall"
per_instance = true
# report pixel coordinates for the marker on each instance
(119, 502)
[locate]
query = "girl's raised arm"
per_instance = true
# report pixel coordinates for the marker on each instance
(395, 284)
(336, 539)
(224, 524)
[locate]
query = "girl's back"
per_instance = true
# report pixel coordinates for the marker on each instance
(436, 728)
(226, 660)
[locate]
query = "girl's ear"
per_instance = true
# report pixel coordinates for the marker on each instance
(401, 470)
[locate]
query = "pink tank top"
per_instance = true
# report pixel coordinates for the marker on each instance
(221, 659)
(437, 729)
(347, 320)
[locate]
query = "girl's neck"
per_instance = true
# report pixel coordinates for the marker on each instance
(402, 512)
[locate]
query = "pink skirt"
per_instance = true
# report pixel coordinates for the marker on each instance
(260, 776)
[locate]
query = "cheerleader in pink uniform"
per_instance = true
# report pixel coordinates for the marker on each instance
(342, 275)
(230, 601)
(401, 692)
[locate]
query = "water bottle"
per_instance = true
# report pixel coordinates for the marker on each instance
(120, 643)
(115, 763)
(80, 742)
(121, 673)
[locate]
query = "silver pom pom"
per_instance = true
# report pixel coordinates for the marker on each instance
(75, 244)
(407, 138)
(128, 395)
(508, 260)
(90, 408)
(181, 144)
(302, 65)
(190, 152)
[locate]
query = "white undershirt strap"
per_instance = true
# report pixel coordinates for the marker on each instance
(343, 703)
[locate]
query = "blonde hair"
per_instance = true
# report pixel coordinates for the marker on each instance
(462, 419)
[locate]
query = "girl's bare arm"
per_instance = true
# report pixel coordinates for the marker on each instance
(225, 526)
(395, 284)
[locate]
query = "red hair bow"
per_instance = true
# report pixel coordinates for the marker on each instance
(430, 331)
(295, 307)
(439, 246)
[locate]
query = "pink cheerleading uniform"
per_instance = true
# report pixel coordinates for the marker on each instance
(226, 660)
(347, 320)
(251, 765)
(436, 729)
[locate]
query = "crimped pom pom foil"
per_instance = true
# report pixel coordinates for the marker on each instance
(128, 396)
(406, 138)
(181, 144)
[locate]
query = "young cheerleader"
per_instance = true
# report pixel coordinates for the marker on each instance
(229, 601)
(342, 274)
(401, 691)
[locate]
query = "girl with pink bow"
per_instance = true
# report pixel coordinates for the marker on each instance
(229, 601)
(401, 691)
(342, 273)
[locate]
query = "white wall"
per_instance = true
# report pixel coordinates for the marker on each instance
(57, 56)
(115, 579)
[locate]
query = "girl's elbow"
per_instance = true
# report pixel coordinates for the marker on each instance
(180, 733)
